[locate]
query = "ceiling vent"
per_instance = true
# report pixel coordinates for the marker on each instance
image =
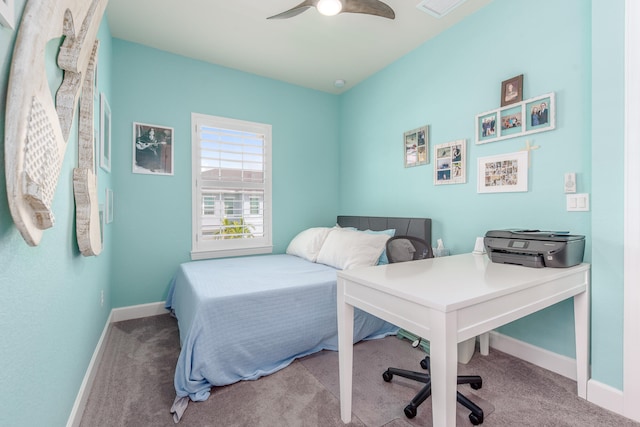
(439, 8)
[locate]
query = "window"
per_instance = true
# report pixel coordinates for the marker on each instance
(231, 176)
(254, 205)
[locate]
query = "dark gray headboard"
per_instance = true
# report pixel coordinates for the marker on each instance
(418, 227)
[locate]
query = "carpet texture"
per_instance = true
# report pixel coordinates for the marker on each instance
(134, 387)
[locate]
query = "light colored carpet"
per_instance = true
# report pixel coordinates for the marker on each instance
(134, 387)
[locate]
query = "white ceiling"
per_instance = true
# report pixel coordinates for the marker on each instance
(308, 50)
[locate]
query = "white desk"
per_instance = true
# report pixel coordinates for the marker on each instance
(450, 299)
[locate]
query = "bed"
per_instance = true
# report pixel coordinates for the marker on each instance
(243, 318)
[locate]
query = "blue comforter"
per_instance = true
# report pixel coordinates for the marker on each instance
(243, 318)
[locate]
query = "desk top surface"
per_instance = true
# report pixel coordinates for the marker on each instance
(453, 282)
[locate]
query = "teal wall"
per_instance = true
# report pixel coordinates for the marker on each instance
(51, 317)
(607, 196)
(332, 155)
(445, 83)
(152, 217)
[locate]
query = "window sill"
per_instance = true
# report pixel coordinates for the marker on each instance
(226, 253)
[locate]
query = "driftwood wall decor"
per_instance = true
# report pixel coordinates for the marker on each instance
(37, 128)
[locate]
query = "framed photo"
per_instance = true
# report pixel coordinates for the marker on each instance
(511, 90)
(540, 113)
(102, 224)
(511, 121)
(105, 133)
(152, 149)
(530, 116)
(7, 14)
(416, 147)
(108, 206)
(505, 173)
(486, 127)
(451, 163)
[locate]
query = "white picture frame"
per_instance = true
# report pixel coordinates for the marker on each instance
(7, 14)
(108, 206)
(152, 149)
(450, 163)
(105, 133)
(516, 119)
(504, 173)
(415, 144)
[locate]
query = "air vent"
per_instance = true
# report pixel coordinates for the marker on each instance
(439, 8)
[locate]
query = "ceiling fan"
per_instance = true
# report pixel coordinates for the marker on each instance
(334, 7)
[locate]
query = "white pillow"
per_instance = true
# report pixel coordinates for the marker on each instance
(307, 243)
(346, 249)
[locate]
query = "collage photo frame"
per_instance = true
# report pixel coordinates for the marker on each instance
(450, 163)
(518, 119)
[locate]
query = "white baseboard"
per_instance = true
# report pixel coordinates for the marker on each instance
(606, 397)
(138, 311)
(598, 393)
(85, 388)
(546, 359)
(116, 315)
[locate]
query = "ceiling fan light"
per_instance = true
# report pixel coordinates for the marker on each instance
(329, 7)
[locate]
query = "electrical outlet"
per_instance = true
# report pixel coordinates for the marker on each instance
(102, 298)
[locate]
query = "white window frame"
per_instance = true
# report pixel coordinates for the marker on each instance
(201, 248)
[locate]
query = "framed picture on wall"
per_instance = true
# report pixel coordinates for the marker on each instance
(416, 147)
(486, 127)
(152, 149)
(540, 113)
(450, 160)
(511, 121)
(532, 115)
(108, 206)
(105, 133)
(504, 173)
(511, 90)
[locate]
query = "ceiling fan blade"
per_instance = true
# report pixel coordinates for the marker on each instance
(369, 7)
(294, 11)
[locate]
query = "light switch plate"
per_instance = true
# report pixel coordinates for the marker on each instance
(578, 202)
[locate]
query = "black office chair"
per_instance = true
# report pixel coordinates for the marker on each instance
(407, 248)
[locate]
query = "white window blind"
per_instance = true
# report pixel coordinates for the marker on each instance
(232, 187)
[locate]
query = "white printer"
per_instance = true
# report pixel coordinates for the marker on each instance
(534, 248)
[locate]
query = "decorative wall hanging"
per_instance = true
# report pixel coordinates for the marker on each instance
(503, 173)
(451, 163)
(7, 14)
(152, 149)
(84, 177)
(37, 128)
(511, 90)
(523, 118)
(416, 147)
(105, 133)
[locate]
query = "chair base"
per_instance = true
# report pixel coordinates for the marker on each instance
(476, 416)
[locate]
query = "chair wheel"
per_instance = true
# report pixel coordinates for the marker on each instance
(424, 363)
(387, 376)
(410, 411)
(475, 420)
(476, 386)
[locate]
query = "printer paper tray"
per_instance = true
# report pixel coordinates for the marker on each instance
(527, 260)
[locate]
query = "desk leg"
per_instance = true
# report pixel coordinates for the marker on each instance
(345, 352)
(444, 368)
(484, 344)
(581, 320)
